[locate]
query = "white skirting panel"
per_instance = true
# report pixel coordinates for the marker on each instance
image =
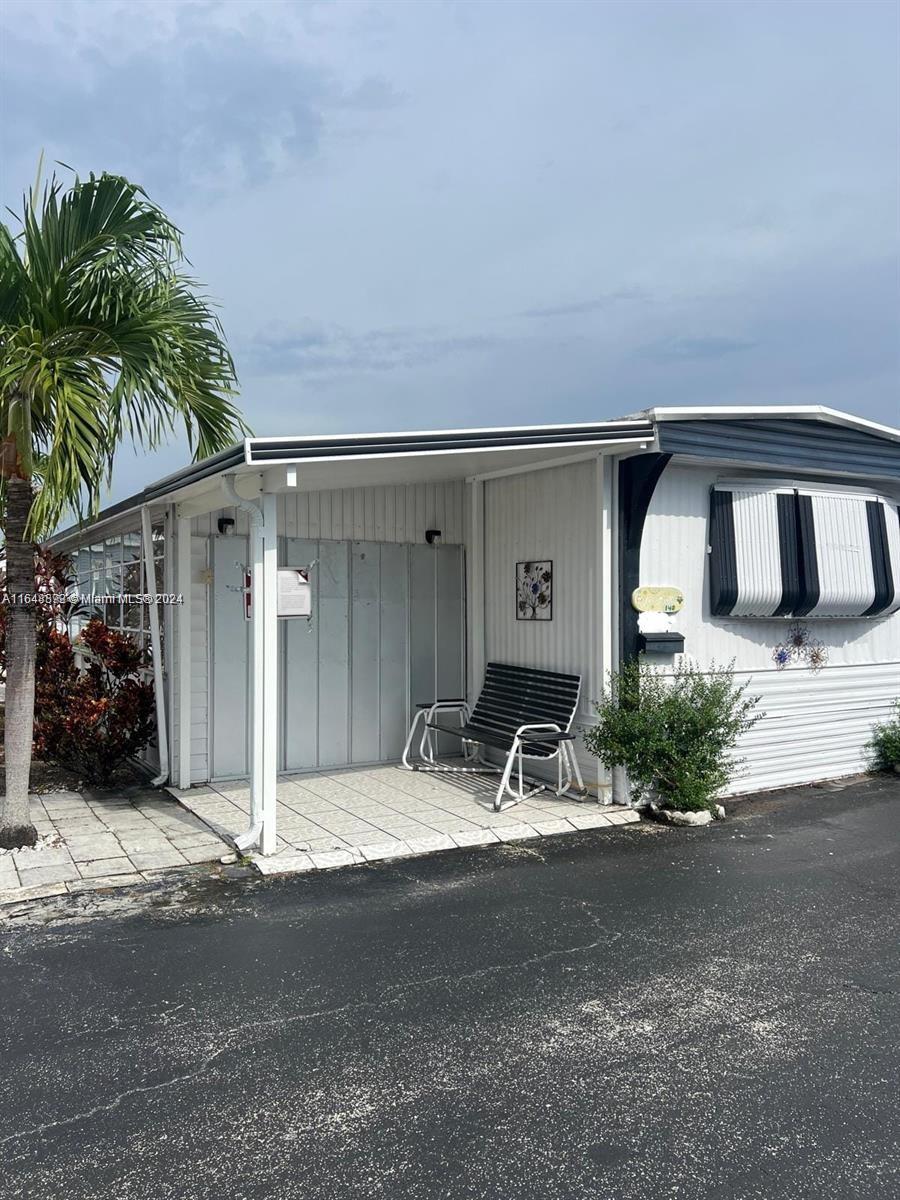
(816, 725)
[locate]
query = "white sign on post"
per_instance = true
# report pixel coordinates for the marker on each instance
(294, 593)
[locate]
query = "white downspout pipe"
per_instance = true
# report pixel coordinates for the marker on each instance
(162, 729)
(252, 835)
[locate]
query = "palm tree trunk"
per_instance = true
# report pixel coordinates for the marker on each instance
(15, 823)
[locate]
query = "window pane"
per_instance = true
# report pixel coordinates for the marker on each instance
(132, 616)
(132, 578)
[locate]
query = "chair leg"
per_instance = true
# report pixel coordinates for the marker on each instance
(572, 770)
(504, 779)
(405, 760)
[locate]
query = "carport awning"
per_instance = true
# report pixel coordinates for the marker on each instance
(365, 460)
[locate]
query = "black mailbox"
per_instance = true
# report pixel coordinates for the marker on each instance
(661, 643)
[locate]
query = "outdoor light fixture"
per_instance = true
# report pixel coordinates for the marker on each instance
(226, 526)
(433, 537)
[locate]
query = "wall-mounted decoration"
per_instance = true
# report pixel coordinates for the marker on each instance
(799, 647)
(657, 599)
(534, 591)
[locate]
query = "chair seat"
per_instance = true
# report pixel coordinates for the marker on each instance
(497, 740)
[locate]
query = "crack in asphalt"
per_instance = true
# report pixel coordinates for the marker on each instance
(391, 997)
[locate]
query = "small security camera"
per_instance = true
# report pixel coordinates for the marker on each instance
(433, 537)
(226, 526)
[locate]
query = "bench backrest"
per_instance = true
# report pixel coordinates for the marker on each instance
(514, 696)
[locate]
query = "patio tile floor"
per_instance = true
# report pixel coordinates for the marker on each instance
(105, 842)
(334, 818)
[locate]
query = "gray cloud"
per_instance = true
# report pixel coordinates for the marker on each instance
(597, 304)
(206, 111)
(694, 349)
(319, 351)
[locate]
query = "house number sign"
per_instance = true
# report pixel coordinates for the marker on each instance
(657, 599)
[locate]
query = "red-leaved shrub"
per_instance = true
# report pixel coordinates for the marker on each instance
(91, 720)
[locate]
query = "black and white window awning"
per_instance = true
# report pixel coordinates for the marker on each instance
(802, 552)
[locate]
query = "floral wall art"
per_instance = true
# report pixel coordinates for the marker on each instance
(534, 591)
(799, 647)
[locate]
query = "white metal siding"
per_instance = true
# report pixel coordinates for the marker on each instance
(816, 724)
(548, 514)
(199, 602)
(398, 513)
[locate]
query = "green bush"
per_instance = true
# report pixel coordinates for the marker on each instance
(673, 733)
(884, 744)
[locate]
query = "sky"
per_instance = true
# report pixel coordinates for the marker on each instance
(445, 214)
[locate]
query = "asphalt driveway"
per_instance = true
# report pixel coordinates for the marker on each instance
(666, 1013)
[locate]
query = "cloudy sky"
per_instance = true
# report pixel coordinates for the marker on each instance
(445, 213)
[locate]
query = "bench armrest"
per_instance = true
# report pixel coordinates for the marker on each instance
(549, 736)
(435, 703)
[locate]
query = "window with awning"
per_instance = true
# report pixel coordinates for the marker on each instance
(784, 551)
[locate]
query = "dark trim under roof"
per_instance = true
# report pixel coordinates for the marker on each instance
(266, 450)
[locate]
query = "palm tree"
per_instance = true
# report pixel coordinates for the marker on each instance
(103, 337)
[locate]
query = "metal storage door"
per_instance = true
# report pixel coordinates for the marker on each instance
(387, 631)
(229, 654)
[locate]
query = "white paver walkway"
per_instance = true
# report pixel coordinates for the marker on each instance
(335, 818)
(91, 841)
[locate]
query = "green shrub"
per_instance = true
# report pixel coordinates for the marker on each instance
(884, 744)
(673, 733)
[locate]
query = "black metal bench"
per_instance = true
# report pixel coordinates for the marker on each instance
(523, 711)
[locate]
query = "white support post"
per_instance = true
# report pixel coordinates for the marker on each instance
(169, 615)
(475, 600)
(257, 680)
(269, 614)
(621, 793)
(162, 738)
(608, 599)
(183, 538)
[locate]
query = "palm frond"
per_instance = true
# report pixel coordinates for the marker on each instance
(107, 336)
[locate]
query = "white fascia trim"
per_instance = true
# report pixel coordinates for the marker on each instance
(628, 440)
(802, 412)
(477, 429)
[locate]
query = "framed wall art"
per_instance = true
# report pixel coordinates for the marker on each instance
(534, 590)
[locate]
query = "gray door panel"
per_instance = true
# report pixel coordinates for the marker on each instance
(394, 681)
(333, 619)
(230, 645)
(299, 664)
(422, 678)
(449, 635)
(387, 631)
(365, 658)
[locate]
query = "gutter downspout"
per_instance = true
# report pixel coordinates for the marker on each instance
(251, 836)
(162, 729)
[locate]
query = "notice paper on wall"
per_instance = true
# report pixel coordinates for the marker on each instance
(294, 593)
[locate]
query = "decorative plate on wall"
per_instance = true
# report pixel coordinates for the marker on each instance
(534, 591)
